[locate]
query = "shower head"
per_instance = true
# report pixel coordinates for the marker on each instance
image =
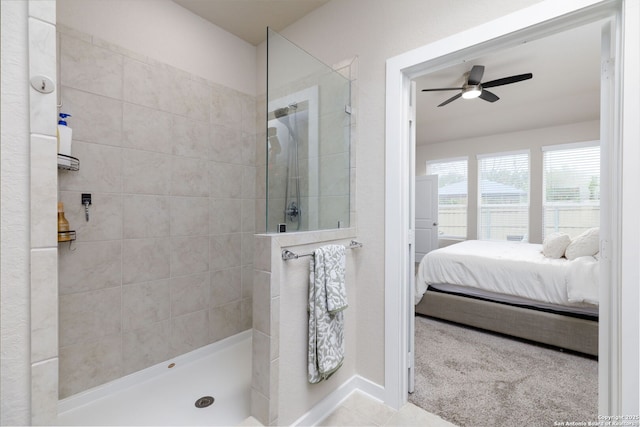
(281, 112)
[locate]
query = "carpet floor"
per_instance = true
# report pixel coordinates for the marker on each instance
(477, 379)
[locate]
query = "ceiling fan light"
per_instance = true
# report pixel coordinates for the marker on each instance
(471, 92)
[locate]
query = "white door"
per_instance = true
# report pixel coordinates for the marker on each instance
(426, 215)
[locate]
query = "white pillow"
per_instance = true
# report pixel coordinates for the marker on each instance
(555, 244)
(586, 244)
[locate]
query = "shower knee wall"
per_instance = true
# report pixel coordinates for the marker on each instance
(165, 263)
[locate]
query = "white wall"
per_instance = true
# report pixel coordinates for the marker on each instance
(529, 139)
(28, 306)
(375, 30)
(166, 32)
(14, 152)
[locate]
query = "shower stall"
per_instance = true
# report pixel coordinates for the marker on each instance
(308, 141)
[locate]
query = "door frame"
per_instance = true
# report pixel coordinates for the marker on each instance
(617, 394)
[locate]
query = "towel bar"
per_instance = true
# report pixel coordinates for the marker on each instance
(287, 254)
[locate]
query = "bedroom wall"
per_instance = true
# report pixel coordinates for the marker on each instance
(532, 140)
(375, 30)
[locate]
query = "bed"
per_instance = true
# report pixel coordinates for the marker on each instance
(514, 289)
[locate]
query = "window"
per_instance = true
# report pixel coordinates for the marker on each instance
(571, 188)
(503, 183)
(452, 196)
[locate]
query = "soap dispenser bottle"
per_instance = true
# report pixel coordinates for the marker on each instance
(63, 225)
(64, 139)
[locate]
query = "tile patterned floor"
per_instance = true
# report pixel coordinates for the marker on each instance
(361, 410)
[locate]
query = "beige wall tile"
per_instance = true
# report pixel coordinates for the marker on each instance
(105, 216)
(189, 177)
(189, 216)
(189, 331)
(145, 259)
(44, 10)
(225, 216)
(249, 216)
(190, 293)
(249, 182)
(145, 216)
(226, 144)
(247, 281)
(42, 62)
(225, 321)
(249, 149)
(226, 180)
(247, 248)
(100, 169)
(44, 304)
(146, 84)
(260, 407)
(95, 118)
(43, 183)
(87, 365)
(88, 316)
(262, 302)
(246, 314)
(226, 107)
(226, 286)
(144, 172)
(145, 347)
(144, 304)
(225, 251)
(90, 68)
(147, 129)
(44, 392)
(189, 138)
(190, 98)
(90, 266)
(189, 255)
(261, 363)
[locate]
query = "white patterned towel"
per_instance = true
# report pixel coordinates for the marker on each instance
(327, 300)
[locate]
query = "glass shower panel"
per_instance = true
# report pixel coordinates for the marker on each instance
(308, 141)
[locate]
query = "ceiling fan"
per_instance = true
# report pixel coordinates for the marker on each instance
(473, 88)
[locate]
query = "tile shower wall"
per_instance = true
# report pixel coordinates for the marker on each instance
(164, 264)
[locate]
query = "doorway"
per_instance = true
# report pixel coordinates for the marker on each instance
(531, 120)
(535, 22)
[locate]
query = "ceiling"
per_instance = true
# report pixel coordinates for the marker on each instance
(565, 88)
(249, 19)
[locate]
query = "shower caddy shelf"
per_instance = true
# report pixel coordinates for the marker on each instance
(71, 234)
(68, 163)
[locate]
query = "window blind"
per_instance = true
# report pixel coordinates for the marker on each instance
(503, 184)
(571, 189)
(452, 196)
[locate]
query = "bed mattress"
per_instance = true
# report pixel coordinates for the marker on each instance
(512, 272)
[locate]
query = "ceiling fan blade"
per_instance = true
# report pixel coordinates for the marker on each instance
(453, 98)
(442, 88)
(507, 80)
(475, 75)
(488, 96)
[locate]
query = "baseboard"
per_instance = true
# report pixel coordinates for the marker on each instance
(335, 399)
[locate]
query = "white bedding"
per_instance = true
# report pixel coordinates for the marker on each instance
(511, 268)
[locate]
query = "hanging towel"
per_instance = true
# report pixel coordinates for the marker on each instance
(327, 301)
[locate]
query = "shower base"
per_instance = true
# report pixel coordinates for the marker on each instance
(167, 396)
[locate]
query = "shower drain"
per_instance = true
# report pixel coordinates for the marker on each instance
(205, 401)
